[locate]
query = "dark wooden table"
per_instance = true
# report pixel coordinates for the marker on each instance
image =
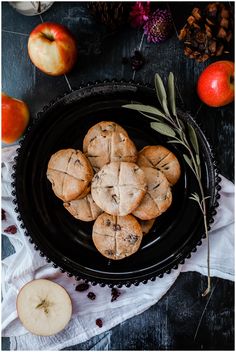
(182, 319)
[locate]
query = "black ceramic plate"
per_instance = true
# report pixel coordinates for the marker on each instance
(67, 242)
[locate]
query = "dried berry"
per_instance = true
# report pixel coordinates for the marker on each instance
(114, 294)
(116, 227)
(91, 296)
(11, 229)
(99, 323)
(132, 239)
(3, 215)
(82, 287)
(108, 222)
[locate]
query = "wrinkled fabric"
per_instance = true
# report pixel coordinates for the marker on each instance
(26, 264)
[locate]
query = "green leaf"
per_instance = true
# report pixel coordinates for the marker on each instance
(160, 119)
(198, 160)
(163, 129)
(189, 162)
(176, 141)
(161, 93)
(195, 196)
(171, 93)
(165, 107)
(182, 125)
(193, 138)
(144, 108)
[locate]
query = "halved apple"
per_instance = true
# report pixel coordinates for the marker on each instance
(43, 307)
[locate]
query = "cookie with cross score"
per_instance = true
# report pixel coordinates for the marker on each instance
(158, 197)
(117, 237)
(119, 187)
(70, 174)
(84, 209)
(106, 142)
(162, 159)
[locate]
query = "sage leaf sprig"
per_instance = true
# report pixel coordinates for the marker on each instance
(167, 123)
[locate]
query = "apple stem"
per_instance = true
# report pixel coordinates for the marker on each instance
(48, 36)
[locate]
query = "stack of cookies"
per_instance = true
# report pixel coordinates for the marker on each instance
(122, 189)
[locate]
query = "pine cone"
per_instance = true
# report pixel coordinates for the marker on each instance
(208, 33)
(111, 14)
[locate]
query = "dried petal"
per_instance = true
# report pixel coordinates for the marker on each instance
(82, 287)
(4, 215)
(99, 323)
(222, 33)
(224, 23)
(12, 229)
(225, 13)
(191, 20)
(229, 37)
(220, 50)
(182, 34)
(114, 294)
(212, 46)
(196, 13)
(91, 296)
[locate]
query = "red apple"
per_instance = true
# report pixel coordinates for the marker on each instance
(52, 48)
(215, 85)
(15, 118)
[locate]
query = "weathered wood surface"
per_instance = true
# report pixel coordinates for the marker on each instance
(174, 321)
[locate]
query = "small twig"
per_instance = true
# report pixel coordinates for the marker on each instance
(189, 141)
(204, 310)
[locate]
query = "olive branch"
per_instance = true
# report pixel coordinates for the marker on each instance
(167, 123)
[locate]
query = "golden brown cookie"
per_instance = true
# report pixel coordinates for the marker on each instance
(84, 209)
(158, 197)
(162, 159)
(117, 237)
(70, 173)
(119, 187)
(146, 225)
(106, 142)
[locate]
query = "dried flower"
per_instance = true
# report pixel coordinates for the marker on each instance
(159, 26)
(139, 13)
(136, 61)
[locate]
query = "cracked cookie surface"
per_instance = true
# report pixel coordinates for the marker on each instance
(70, 174)
(84, 209)
(162, 159)
(117, 237)
(106, 142)
(119, 187)
(158, 197)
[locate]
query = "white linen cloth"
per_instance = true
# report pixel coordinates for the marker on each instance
(26, 264)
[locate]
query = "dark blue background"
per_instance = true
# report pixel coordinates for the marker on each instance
(173, 322)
